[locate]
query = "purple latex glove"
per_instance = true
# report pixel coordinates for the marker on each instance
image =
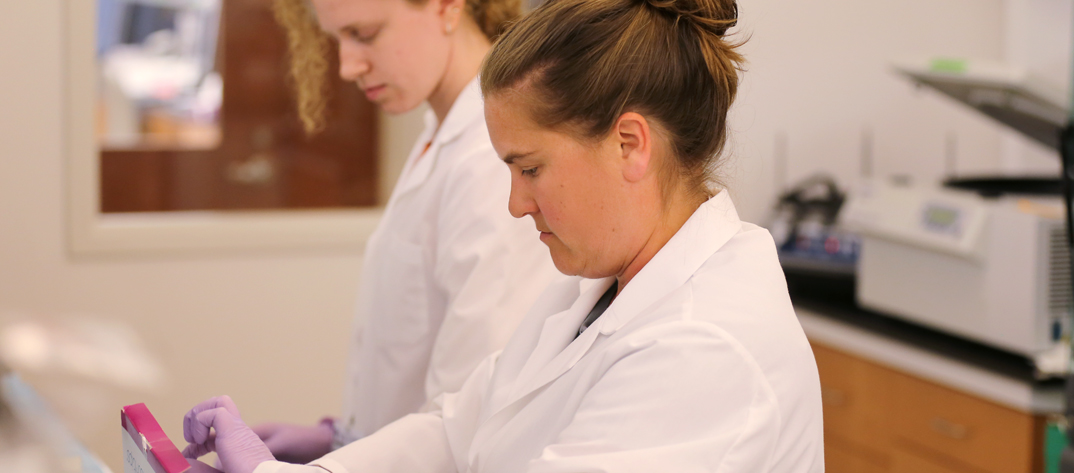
(239, 448)
(297, 443)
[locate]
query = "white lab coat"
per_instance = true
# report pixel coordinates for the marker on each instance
(699, 365)
(447, 277)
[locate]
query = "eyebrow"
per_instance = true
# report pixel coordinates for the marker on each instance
(511, 157)
(345, 28)
(355, 27)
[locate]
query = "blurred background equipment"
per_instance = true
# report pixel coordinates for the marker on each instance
(818, 256)
(983, 259)
(1043, 113)
(105, 352)
(35, 440)
(58, 377)
(159, 84)
(1008, 94)
(195, 110)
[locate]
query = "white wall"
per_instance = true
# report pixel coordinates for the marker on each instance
(1039, 36)
(818, 74)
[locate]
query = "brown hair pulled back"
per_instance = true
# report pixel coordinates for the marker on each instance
(310, 47)
(590, 61)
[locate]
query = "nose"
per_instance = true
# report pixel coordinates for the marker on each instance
(352, 62)
(521, 202)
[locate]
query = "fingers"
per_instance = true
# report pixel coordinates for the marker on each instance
(199, 430)
(196, 450)
(224, 402)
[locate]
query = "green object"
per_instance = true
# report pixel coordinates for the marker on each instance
(954, 66)
(1055, 439)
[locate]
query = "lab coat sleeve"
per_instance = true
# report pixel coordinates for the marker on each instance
(682, 397)
(418, 443)
(414, 444)
(482, 266)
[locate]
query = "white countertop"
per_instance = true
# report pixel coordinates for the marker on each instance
(891, 352)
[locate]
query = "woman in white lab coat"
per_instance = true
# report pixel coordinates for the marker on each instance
(448, 273)
(676, 348)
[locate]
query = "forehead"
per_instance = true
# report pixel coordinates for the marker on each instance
(508, 106)
(335, 14)
(509, 117)
(516, 134)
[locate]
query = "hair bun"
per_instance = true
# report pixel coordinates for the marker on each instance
(714, 16)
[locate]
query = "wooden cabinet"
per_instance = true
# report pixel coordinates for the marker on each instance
(906, 461)
(881, 420)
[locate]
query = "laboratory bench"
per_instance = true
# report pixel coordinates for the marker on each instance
(899, 398)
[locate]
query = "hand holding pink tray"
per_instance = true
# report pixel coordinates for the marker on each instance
(215, 426)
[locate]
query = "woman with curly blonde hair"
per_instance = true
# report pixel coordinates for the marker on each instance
(448, 273)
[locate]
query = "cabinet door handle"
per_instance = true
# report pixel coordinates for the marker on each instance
(258, 169)
(949, 429)
(833, 397)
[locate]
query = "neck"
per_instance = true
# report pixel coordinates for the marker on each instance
(680, 208)
(468, 49)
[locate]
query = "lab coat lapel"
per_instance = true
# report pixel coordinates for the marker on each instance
(410, 178)
(555, 352)
(558, 350)
(467, 109)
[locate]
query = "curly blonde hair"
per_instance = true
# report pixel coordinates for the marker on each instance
(310, 47)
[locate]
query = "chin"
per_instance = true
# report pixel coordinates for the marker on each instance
(564, 263)
(393, 108)
(398, 107)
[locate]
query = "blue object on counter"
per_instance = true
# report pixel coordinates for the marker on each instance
(34, 414)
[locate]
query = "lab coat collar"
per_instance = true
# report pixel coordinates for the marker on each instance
(558, 349)
(468, 108)
(709, 228)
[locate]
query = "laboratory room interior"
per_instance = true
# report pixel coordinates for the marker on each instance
(170, 231)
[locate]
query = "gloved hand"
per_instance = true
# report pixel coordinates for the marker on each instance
(239, 448)
(293, 443)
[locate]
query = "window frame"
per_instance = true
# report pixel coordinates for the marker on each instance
(91, 232)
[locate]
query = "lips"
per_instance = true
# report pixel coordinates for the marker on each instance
(372, 93)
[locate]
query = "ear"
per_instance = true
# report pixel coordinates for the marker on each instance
(635, 139)
(451, 12)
